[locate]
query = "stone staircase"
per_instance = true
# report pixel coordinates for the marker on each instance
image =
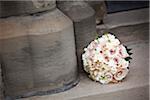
(134, 87)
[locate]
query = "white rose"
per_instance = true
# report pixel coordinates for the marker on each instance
(109, 45)
(100, 58)
(110, 36)
(85, 63)
(113, 70)
(86, 68)
(98, 49)
(121, 73)
(95, 58)
(102, 41)
(124, 63)
(105, 37)
(112, 63)
(115, 42)
(83, 56)
(91, 46)
(106, 78)
(96, 41)
(98, 76)
(123, 52)
(85, 49)
(106, 59)
(90, 62)
(111, 52)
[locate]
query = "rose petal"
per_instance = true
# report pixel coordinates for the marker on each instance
(121, 73)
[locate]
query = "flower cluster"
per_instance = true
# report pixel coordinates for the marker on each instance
(105, 59)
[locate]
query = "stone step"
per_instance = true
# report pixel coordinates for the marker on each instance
(134, 87)
(125, 18)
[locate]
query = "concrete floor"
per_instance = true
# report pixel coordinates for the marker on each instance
(134, 87)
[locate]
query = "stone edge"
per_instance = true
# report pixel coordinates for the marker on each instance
(49, 92)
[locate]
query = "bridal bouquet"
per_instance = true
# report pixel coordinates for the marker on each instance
(106, 59)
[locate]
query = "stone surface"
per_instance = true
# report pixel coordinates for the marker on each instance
(130, 33)
(13, 8)
(38, 53)
(83, 17)
(1, 83)
(140, 93)
(100, 9)
(125, 18)
(134, 87)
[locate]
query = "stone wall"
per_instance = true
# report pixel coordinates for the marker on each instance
(100, 10)
(83, 17)
(38, 53)
(14, 8)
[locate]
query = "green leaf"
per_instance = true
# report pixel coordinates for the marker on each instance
(96, 35)
(105, 32)
(130, 53)
(128, 49)
(128, 59)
